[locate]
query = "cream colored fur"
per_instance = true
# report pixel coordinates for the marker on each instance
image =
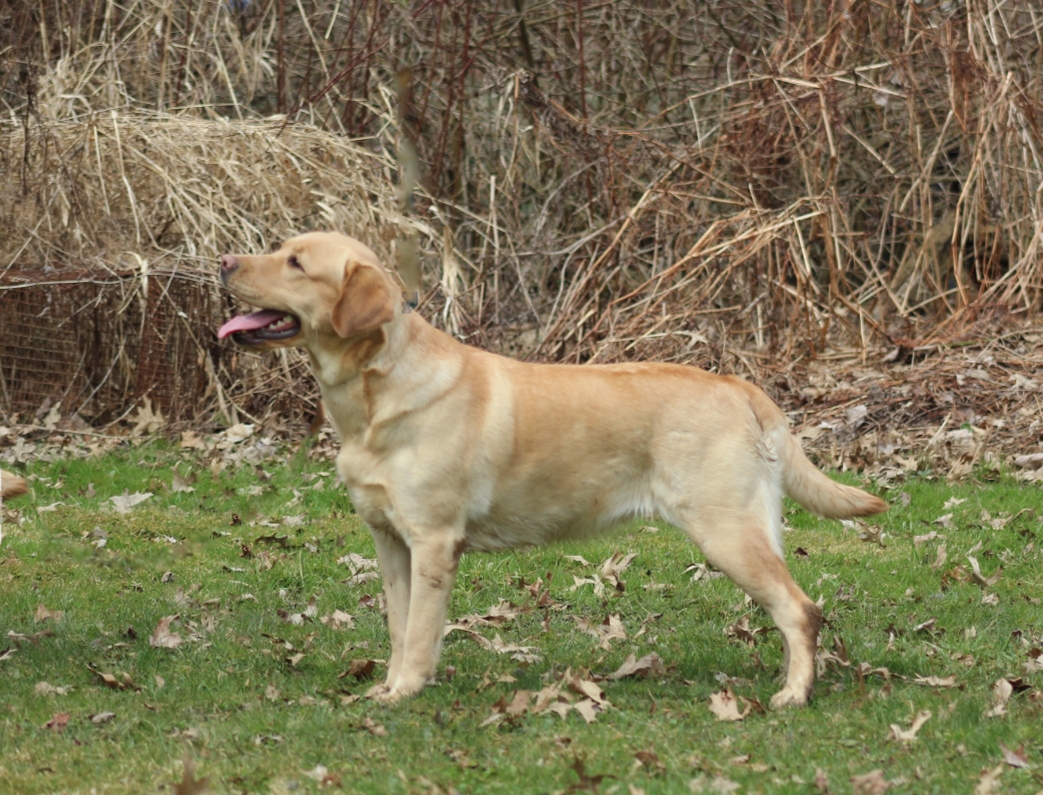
(11, 485)
(447, 448)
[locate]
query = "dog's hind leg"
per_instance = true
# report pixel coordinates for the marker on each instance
(395, 565)
(741, 547)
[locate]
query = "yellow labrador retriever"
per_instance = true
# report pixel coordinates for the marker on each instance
(11, 485)
(447, 448)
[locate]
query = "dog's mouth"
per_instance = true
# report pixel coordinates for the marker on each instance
(268, 325)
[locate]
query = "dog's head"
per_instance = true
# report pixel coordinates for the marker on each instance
(314, 290)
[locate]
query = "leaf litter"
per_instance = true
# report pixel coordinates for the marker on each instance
(909, 735)
(162, 637)
(728, 707)
(571, 692)
(927, 680)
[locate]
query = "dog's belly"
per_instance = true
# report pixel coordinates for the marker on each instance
(553, 515)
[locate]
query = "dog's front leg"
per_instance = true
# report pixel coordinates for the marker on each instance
(434, 559)
(394, 559)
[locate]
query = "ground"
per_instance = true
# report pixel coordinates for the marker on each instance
(232, 620)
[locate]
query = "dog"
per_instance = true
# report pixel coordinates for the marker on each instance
(447, 448)
(11, 485)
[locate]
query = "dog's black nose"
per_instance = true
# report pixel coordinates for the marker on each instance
(229, 263)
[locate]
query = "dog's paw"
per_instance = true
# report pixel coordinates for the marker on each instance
(377, 691)
(401, 690)
(790, 697)
(388, 697)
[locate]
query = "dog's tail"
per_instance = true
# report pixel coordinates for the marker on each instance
(803, 482)
(11, 485)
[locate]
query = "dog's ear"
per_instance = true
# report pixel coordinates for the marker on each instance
(365, 302)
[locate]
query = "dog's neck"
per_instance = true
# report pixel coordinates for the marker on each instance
(406, 358)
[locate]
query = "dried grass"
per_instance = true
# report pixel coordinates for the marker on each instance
(115, 231)
(730, 184)
(133, 190)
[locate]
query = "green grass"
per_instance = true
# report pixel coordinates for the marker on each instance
(255, 716)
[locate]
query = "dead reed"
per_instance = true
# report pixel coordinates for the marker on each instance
(719, 183)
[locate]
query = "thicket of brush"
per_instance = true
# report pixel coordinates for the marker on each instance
(598, 181)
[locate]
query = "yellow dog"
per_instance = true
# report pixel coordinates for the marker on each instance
(11, 485)
(447, 448)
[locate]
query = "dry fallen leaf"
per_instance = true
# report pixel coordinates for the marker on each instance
(725, 706)
(871, 783)
(700, 571)
(871, 534)
(501, 613)
(162, 637)
(989, 781)
(180, 484)
(585, 687)
(936, 681)
(612, 567)
(586, 783)
(909, 735)
(742, 632)
(918, 540)
(588, 709)
(147, 420)
(719, 785)
(607, 631)
(821, 781)
(941, 557)
(1015, 758)
(1002, 690)
(549, 696)
(498, 714)
(649, 665)
(1031, 460)
(519, 704)
(318, 773)
(188, 784)
(190, 440)
(1034, 664)
(523, 654)
(376, 729)
(297, 619)
(976, 575)
(650, 761)
(43, 614)
(124, 502)
(58, 722)
(109, 680)
(338, 619)
(47, 689)
(595, 580)
(359, 669)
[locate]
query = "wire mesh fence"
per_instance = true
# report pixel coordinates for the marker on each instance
(94, 344)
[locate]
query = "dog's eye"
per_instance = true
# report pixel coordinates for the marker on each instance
(295, 263)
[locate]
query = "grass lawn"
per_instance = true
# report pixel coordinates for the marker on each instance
(256, 680)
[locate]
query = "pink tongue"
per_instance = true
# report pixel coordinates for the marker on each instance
(249, 322)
